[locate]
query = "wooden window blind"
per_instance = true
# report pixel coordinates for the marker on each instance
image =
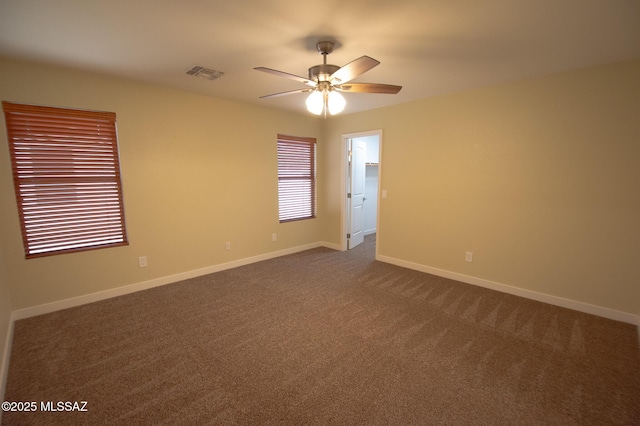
(66, 175)
(296, 178)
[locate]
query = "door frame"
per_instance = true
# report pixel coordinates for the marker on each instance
(345, 184)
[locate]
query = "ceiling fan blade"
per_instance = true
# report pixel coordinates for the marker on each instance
(291, 92)
(287, 75)
(353, 69)
(369, 88)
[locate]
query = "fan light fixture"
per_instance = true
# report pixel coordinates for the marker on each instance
(320, 101)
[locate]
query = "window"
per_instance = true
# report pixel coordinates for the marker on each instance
(296, 178)
(66, 174)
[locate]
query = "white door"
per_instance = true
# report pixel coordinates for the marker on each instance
(356, 192)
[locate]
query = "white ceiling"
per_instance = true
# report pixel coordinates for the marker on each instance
(429, 47)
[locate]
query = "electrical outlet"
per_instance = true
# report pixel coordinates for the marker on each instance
(469, 256)
(142, 261)
(227, 245)
(274, 237)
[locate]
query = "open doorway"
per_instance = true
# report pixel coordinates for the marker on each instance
(361, 187)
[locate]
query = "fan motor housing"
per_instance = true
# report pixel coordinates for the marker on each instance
(322, 72)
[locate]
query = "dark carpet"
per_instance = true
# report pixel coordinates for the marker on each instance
(324, 337)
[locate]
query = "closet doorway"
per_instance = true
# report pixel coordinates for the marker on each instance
(361, 183)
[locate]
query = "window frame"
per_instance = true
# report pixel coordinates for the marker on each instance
(67, 180)
(297, 202)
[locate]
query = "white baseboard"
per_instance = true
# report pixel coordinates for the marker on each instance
(331, 246)
(156, 282)
(529, 294)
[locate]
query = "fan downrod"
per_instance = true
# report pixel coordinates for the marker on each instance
(322, 72)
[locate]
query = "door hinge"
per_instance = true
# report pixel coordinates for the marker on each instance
(349, 195)
(348, 235)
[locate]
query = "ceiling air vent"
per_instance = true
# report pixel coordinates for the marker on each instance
(207, 73)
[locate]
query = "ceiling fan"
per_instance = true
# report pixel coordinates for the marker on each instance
(326, 81)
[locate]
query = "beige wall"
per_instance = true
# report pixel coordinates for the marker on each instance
(5, 323)
(197, 172)
(539, 179)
